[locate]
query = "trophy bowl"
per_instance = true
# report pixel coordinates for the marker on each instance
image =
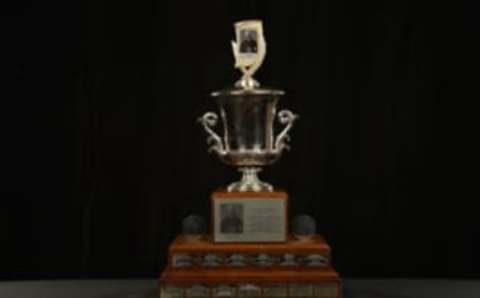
(248, 141)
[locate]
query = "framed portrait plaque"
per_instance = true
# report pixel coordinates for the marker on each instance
(250, 47)
(249, 217)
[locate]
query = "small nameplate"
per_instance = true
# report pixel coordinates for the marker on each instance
(249, 219)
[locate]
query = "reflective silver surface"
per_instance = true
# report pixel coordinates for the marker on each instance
(248, 142)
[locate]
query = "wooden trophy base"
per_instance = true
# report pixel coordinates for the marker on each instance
(203, 268)
(249, 254)
(249, 216)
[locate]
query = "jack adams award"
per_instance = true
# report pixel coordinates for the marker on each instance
(249, 251)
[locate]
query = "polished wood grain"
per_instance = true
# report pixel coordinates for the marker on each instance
(184, 244)
(208, 276)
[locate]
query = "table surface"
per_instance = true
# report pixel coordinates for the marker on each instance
(147, 288)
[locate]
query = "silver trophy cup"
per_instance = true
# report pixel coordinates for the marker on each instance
(249, 142)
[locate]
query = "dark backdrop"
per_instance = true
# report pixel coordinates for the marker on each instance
(102, 158)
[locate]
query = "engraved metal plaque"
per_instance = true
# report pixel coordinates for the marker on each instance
(250, 220)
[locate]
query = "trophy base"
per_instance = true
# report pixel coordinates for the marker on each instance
(249, 182)
(206, 269)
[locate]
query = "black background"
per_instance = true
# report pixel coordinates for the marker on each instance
(102, 158)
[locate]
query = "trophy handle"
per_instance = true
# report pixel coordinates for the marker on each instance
(288, 118)
(208, 120)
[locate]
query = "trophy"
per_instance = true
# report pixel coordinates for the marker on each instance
(249, 252)
(248, 112)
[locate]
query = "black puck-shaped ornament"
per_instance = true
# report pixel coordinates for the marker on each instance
(194, 227)
(303, 227)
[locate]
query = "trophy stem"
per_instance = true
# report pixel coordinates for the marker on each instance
(249, 181)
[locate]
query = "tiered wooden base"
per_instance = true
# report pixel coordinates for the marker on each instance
(203, 268)
(249, 254)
